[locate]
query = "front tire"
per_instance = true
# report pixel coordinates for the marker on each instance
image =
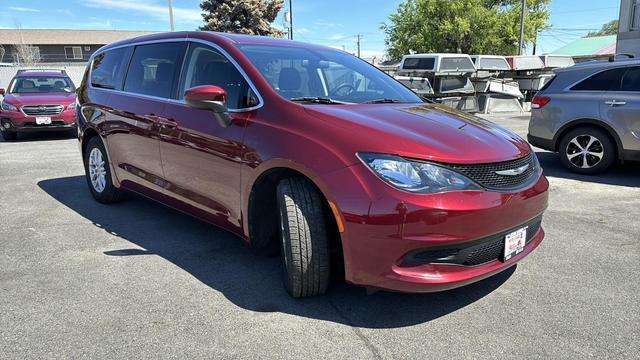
(304, 238)
(98, 173)
(587, 150)
(9, 135)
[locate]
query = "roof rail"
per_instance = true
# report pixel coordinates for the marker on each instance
(612, 58)
(61, 71)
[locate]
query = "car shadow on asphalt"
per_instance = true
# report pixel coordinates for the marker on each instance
(41, 136)
(220, 260)
(627, 174)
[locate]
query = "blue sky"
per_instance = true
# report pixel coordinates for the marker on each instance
(329, 22)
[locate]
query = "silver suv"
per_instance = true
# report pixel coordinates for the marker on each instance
(590, 114)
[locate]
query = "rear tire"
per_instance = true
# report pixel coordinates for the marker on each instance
(9, 135)
(98, 173)
(587, 150)
(304, 238)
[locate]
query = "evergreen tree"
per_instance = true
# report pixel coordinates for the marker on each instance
(252, 17)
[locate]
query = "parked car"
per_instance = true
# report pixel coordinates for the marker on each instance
(38, 100)
(313, 152)
(589, 114)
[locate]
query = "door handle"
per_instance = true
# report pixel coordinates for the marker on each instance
(167, 122)
(162, 121)
(615, 103)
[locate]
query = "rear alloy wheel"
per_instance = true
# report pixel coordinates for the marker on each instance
(98, 173)
(304, 238)
(587, 151)
(9, 135)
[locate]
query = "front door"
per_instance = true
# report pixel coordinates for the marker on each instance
(202, 159)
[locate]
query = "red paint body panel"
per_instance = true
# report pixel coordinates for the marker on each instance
(196, 165)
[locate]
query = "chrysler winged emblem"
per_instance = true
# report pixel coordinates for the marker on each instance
(513, 172)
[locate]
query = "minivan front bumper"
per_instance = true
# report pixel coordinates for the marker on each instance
(380, 238)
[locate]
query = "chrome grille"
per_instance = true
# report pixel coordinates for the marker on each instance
(486, 174)
(36, 110)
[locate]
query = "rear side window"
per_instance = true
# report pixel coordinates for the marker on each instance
(631, 80)
(608, 80)
(154, 69)
(108, 68)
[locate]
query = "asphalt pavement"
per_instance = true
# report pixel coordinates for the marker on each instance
(80, 279)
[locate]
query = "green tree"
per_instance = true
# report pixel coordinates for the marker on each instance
(252, 17)
(463, 26)
(610, 28)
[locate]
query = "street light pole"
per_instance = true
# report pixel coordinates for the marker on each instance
(521, 42)
(291, 19)
(171, 14)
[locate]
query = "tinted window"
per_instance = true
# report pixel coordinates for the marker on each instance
(603, 81)
(631, 80)
(455, 83)
(455, 64)
(154, 69)
(41, 84)
(206, 66)
(418, 63)
(108, 68)
(493, 64)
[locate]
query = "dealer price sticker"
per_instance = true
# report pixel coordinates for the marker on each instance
(514, 243)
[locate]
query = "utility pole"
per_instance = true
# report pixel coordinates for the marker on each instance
(171, 14)
(359, 36)
(291, 18)
(521, 42)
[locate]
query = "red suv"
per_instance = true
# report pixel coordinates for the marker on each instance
(38, 100)
(312, 152)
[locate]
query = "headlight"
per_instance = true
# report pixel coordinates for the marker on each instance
(71, 106)
(416, 177)
(8, 107)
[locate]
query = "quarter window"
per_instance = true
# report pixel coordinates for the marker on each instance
(207, 66)
(107, 69)
(608, 80)
(154, 69)
(631, 80)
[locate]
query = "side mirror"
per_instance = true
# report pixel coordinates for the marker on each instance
(2, 91)
(212, 98)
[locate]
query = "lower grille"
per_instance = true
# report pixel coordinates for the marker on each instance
(487, 174)
(472, 253)
(46, 110)
(53, 123)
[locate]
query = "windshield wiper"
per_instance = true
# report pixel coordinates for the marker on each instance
(383, 101)
(317, 99)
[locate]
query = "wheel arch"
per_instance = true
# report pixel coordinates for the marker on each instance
(587, 122)
(262, 222)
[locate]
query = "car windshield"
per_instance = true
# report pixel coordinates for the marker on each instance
(41, 84)
(301, 74)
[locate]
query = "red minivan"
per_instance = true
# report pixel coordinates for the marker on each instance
(311, 152)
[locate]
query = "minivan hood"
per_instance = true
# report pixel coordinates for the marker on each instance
(40, 99)
(423, 131)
